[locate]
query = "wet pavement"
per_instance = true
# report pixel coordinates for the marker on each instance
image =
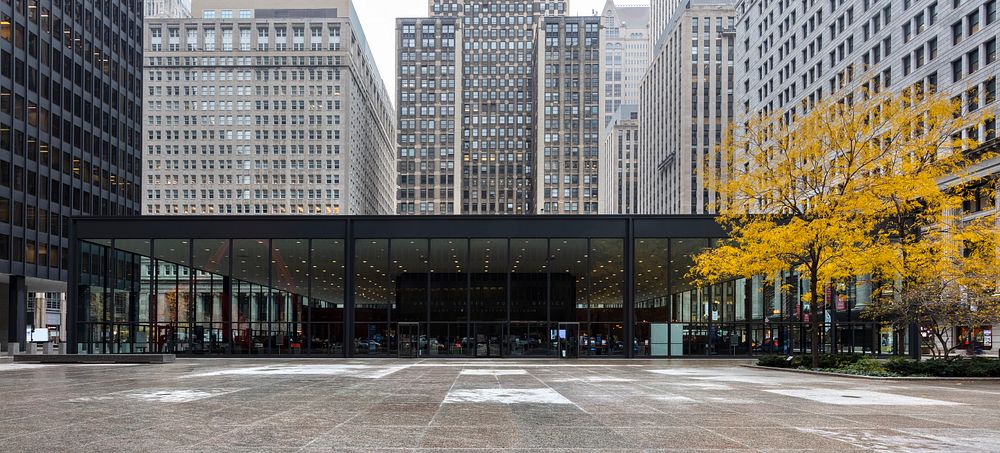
(395, 405)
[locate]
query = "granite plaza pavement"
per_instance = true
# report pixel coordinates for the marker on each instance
(395, 405)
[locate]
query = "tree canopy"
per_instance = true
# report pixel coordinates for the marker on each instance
(844, 190)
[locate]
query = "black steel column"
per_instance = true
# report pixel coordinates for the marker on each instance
(17, 299)
(72, 292)
(310, 329)
(629, 258)
(349, 290)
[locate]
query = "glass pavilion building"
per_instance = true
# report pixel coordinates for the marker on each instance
(450, 286)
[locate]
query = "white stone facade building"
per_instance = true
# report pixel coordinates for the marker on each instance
(792, 54)
(161, 9)
(626, 55)
(620, 163)
(686, 107)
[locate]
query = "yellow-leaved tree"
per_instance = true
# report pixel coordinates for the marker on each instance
(951, 280)
(815, 196)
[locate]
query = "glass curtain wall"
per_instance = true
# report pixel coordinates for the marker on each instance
(373, 330)
(449, 328)
(460, 297)
(211, 296)
(325, 324)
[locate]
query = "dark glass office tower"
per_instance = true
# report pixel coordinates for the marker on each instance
(70, 112)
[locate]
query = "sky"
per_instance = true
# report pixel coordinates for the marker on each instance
(378, 17)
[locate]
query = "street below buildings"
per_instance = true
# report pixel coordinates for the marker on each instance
(489, 405)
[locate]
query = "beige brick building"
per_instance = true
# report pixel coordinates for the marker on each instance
(264, 107)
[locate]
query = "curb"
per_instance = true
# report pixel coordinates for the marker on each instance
(879, 378)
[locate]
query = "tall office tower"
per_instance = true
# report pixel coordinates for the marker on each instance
(266, 107)
(70, 99)
(428, 89)
(626, 55)
(569, 80)
(791, 57)
(661, 13)
(470, 111)
(160, 9)
(685, 110)
(619, 168)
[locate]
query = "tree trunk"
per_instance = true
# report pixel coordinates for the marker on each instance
(814, 314)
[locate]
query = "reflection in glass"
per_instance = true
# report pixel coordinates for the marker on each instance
(289, 289)
(251, 332)
(213, 287)
(689, 304)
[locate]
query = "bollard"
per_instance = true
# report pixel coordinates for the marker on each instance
(62, 348)
(32, 348)
(13, 348)
(47, 348)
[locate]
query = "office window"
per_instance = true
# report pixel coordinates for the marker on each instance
(972, 22)
(972, 60)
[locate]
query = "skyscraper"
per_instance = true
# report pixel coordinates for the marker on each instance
(266, 107)
(685, 109)
(473, 130)
(569, 138)
(620, 163)
(70, 103)
(626, 55)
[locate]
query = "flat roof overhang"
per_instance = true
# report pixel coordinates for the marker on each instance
(362, 227)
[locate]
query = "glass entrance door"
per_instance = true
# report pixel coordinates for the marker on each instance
(488, 340)
(408, 340)
(569, 340)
